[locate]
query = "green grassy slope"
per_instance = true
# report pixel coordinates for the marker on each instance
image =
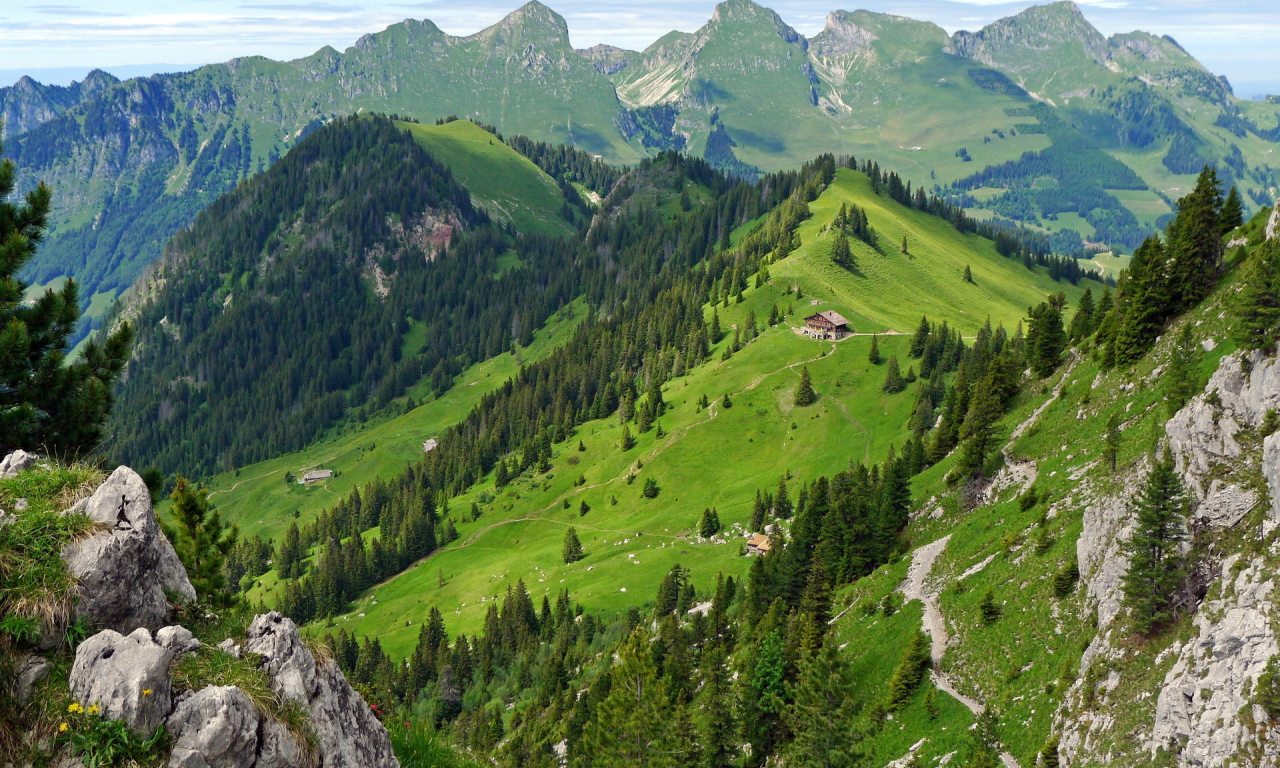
(257, 499)
(502, 181)
(717, 457)
(890, 290)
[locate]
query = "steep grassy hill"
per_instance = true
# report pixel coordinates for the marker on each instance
(503, 182)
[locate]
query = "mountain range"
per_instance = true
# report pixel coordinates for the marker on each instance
(134, 161)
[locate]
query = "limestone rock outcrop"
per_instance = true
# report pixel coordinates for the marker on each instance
(127, 571)
(347, 733)
(127, 677)
(216, 727)
(15, 462)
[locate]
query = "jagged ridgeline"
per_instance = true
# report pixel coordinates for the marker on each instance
(312, 290)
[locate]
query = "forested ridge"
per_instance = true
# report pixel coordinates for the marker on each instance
(268, 327)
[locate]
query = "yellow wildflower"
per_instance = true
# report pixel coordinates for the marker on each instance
(146, 691)
(62, 728)
(93, 709)
(74, 708)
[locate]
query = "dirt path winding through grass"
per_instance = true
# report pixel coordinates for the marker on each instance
(917, 586)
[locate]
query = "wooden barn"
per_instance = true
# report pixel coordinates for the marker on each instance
(826, 325)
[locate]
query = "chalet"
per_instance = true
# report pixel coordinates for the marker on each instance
(316, 475)
(826, 325)
(759, 544)
(430, 445)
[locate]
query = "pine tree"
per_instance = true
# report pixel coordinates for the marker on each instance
(651, 489)
(1143, 302)
(909, 673)
(46, 402)
(289, 560)
(824, 715)
(1232, 215)
(1155, 565)
(628, 442)
(583, 509)
(758, 513)
(572, 551)
(873, 355)
(1046, 338)
(719, 742)
(1256, 306)
(1082, 323)
(919, 338)
(1195, 242)
(840, 252)
(804, 391)
(201, 541)
(893, 381)
(709, 525)
(977, 433)
(781, 501)
(715, 332)
(904, 248)
(968, 274)
(1048, 757)
(988, 609)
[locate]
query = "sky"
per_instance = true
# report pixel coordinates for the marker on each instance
(58, 42)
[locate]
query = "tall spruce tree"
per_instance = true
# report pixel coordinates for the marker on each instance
(1142, 303)
(1195, 242)
(1232, 211)
(1182, 377)
(47, 402)
(1156, 567)
(873, 355)
(1046, 338)
(1082, 323)
(893, 381)
(572, 549)
(804, 390)
(919, 338)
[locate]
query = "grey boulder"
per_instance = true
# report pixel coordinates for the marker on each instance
(178, 639)
(217, 727)
(15, 462)
(127, 571)
(347, 733)
(127, 677)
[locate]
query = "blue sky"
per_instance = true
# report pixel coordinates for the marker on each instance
(57, 41)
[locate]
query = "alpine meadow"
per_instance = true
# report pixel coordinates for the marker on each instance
(885, 398)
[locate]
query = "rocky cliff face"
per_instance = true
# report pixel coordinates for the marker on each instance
(1203, 709)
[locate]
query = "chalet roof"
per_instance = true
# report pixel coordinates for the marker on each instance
(831, 316)
(317, 474)
(759, 541)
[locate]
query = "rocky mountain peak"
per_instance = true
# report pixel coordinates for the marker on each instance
(747, 11)
(531, 24)
(1037, 29)
(841, 35)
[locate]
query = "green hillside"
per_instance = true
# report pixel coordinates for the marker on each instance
(257, 498)
(713, 457)
(889, 289)
(503, 182)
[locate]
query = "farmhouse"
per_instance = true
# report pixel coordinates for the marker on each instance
(826, 325)
(316, 475)
(430, 445)
(758, 544)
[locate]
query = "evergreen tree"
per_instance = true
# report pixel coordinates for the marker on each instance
(631, 726)
(670, 589)
(909, 673)
(804, 391)
(289, 560)
(968, 274)
(583, 509)
(1182, 377)
(725, 402)
(977, 434)
(709, 525)
(781, 501)
(715, 333)
(1142, 304)
(1045, 336)
(1048, 757)
(1155, 565)
(1232, 215)
(651, 489)
(840, 252)
(823, 718)
(201, 541)
(919, 338)
(1082, 324)
(893, 381)
(758, 513)
(988, 609)
(46, 402)
(1195, 242)
(719, 745)
(628, 442)
(873, 355)
(1256, 305)
(572, 550)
